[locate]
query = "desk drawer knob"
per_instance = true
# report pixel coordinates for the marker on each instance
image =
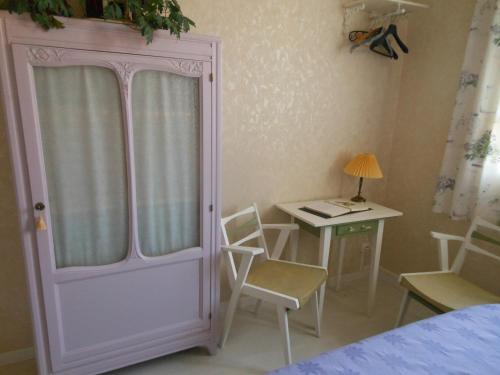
(366, 227)
(351, 229)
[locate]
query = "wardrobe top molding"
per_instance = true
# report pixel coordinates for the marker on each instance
(92, 34)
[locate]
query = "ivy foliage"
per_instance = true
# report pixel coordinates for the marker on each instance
(151, 15)
(145, 15)
(41, 11)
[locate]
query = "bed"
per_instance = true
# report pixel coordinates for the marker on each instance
(460, 342)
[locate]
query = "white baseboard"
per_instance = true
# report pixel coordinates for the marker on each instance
(15, 356)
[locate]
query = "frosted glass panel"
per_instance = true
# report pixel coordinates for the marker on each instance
(83, 145)
(165, 109)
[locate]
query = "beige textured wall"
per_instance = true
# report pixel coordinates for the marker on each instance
(427, 96)
(15, 327)
(297, 104)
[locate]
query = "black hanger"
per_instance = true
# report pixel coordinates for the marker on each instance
(383, 47)
(393, 30)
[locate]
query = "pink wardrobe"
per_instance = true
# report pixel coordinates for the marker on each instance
(115, 152)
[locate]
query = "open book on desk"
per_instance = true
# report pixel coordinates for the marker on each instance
(332, 208)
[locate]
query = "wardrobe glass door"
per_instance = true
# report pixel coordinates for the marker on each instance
(80, 116)
(166, 118)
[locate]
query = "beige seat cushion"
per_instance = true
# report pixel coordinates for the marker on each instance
(295, 280)
(447, 291)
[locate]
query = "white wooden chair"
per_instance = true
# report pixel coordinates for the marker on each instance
(443, 291)
(287, 285)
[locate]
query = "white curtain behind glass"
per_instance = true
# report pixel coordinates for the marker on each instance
(81, 125)
(166, 119)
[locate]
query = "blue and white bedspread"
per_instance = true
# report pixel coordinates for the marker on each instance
(460, 342)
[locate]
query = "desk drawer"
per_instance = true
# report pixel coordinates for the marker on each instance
(365, 226)
(368, 226)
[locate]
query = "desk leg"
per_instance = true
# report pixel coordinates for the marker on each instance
(340, 262)
(294, 243)
(325, 239)
(372, 288)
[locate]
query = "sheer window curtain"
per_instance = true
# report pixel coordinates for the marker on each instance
(469, 182)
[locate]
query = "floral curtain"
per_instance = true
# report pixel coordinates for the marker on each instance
(469, 183)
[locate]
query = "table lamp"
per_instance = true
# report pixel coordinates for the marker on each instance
(363, 166)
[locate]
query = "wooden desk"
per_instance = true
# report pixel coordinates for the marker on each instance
(340, 227)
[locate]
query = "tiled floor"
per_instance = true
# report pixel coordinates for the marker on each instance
(254, 345)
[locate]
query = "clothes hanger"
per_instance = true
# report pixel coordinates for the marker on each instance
(368, 38)
(393, 30)
(383, 47)
(359, 36)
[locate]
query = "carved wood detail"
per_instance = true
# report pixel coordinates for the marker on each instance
(125, 71)
(40, 55)
(185, 66)
(45, 54)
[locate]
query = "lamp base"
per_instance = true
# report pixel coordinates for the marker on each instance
(358, 198)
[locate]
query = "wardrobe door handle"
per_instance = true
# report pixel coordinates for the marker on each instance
(40, 224)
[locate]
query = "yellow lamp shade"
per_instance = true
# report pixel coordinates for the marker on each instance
(364, 165)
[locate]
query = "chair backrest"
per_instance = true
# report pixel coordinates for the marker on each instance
(474, 233)
(252, 220)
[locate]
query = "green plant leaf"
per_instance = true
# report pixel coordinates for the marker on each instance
(147, 15)
(113, 11)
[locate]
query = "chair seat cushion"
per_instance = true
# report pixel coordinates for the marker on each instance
(447, 291)
(292, 279)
